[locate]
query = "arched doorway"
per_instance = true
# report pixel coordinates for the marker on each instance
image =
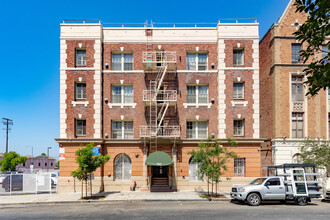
(193, 170)
(123, 168)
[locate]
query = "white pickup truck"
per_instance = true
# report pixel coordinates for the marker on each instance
(291, 184)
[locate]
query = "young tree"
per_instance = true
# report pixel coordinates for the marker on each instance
(88, 163)
(11, 160)
(318, 153)
(213, 159)
(314, 32)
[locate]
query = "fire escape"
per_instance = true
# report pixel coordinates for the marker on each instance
(157, 65)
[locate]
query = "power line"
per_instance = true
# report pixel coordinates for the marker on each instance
(7, 122)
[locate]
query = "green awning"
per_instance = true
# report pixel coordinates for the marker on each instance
(159, 158)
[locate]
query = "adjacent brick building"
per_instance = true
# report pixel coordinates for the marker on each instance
(138, 90)
(287, 116)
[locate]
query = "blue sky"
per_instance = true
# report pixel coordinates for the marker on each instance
(30, 52)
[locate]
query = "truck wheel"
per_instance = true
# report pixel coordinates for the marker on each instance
(254, 199)
(301, 201)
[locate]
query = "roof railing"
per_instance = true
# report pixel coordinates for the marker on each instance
(238, 20)
(82, 21)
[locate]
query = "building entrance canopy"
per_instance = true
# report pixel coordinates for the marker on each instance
(159, 158)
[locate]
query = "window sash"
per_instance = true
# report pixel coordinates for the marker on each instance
(80, 127)
(239, 166)
(297, 89)
(238, 127)
(122, 62)
(297, 125)
(295, 55)
(197, 94)
(238, 91)
(80, 90)
(197, 61)
(128, 94)
(81, 57)
(197, 129)
(238, 57)
(128, 61)
(202, 94)
(122, 130)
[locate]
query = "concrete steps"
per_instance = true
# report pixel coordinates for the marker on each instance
(160, 184)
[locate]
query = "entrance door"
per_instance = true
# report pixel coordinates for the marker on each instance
(159, 171)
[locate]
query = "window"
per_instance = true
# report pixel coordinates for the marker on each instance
(51, 164)
(238, 92)
(297, 92)
(238, 57)
(80, 57)
(273, 182)
(122, 130)
(238, 127)
(197, 129)
(329, 95)
(196, 61)
(297, 158)
(295, 55)
(80, 91)
(23, 164)
(45, 164)
(122, 94)
(80, 127)
(325, 52)
(197, 94)
(123, 168)
(297, 125)
(239, 166)
(193, 170)
(39, 164)
(122, 62)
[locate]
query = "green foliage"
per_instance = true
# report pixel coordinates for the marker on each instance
(316, 152)
(11, 160)
(213, 159)
(43, 154)
(314, 32)
(87, 164)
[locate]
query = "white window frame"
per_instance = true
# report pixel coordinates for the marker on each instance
(242, 58)
(78, 62)
(239, 166)
(242, 127)
(122, 61)
(195, 129)
(83, 129)
(197, 103)
(243, 88)
(122, 104)
(124, 132)
(197, 61)
(82, 92)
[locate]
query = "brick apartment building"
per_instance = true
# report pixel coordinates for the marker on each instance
(148, 94)
(287, 116)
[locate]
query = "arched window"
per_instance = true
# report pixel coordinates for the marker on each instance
(297, 158)
(193, 170)
(123, 168)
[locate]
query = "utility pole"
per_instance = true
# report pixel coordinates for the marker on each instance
(7, 122)
(48, 148)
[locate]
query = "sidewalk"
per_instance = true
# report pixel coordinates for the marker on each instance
(110, 197)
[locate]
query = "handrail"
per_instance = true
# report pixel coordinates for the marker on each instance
(238, 19)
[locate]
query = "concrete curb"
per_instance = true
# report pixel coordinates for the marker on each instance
(113, 201)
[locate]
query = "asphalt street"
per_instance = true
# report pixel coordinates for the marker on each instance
(166, 210)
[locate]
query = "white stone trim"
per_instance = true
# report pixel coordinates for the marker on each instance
(63, 87)
(197, 71)
(97, 88)
(122, 105)
(256, 91)
(75, 103)
(80, 68)
(123, 71)
(221, 89)
(197, 105)
(245, 103)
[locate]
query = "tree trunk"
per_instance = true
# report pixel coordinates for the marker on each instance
(82, 189)
(216, 189)
(90, 184)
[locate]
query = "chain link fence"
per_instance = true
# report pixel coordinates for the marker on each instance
(28, 183)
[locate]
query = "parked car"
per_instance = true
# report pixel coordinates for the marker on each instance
(2, 178)
(293, 184)
(17, 183)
